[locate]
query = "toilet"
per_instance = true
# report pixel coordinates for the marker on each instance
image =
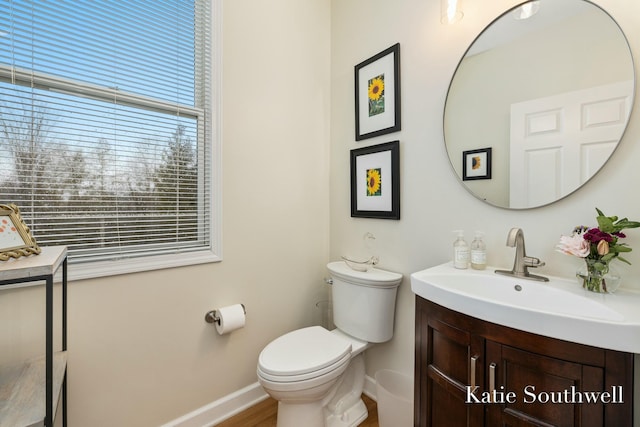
(316, 375)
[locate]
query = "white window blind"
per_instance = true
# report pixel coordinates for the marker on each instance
(105, 124)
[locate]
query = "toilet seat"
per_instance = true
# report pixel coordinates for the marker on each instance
(303, 354)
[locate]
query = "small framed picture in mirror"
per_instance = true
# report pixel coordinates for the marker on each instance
(476, 164)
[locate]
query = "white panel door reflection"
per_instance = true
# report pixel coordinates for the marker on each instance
(559, 142)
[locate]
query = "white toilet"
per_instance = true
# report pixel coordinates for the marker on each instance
(317, 376)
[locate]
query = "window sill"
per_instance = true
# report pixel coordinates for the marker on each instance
(92, 270)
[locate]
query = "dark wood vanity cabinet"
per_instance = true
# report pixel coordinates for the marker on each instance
(474, 373)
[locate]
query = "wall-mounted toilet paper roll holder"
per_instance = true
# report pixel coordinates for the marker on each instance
(212, 316)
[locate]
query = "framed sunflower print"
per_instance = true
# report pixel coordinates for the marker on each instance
(476, 164)
(375, 181)
(15, 238)
(377, 97)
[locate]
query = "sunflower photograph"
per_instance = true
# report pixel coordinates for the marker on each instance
(376, 95)
(374, 182)
(476, 162)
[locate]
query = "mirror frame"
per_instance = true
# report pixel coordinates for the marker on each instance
(455, 158)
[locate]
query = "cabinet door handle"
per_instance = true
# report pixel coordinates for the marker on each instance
(492, 379)
(472, 372)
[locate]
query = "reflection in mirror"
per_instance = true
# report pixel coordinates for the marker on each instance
(549, 95)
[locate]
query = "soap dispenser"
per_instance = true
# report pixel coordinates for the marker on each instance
(460, 251)
(478, 252)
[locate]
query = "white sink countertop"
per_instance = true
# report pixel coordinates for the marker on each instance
(559, 308)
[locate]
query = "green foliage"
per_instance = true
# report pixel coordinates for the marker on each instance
(614, 226)
(611, 224)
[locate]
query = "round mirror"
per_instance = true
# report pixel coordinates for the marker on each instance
(539, 102)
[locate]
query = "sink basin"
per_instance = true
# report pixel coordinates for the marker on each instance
(559, 308)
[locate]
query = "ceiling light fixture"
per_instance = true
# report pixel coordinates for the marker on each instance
(450, 11)
(527, 10)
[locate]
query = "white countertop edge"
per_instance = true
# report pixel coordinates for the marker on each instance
(621, 335)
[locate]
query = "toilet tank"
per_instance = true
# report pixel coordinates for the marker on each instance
(364, 302)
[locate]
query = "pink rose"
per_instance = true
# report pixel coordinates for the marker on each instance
(574, 245)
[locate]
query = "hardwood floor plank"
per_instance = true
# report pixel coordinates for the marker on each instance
(372, 407)
(264, 414)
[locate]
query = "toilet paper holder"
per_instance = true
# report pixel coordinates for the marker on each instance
(212, 316)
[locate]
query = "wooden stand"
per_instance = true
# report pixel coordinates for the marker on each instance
(21, 386)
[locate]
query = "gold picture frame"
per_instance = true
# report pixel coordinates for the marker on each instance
(15, 237)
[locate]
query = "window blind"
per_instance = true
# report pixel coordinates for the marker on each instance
(105, 124)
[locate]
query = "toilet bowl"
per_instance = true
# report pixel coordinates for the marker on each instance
(317, 376)
(305, 369)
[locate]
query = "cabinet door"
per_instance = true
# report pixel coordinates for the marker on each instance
(450, 360)
(539, 381)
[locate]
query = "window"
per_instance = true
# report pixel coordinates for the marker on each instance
(106, 129)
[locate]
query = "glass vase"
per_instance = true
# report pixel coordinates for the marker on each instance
(602, 280)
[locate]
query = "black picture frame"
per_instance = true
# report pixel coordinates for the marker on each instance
(378, 111)
(476, 164)
(375, 181)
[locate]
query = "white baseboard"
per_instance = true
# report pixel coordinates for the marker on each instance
(221, 409)
(234, 403)
(370, 387)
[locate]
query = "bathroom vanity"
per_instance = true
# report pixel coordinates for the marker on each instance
(517, 375)
(503, 351)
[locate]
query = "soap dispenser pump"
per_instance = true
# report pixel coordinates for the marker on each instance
(460, 251)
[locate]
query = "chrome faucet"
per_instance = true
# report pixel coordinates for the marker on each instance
(522, 262)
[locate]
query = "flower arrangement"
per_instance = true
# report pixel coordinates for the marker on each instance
(598, 247)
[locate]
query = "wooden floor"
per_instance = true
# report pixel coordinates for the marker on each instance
(264, 415)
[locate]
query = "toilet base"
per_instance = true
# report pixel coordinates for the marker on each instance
(346, 408)
(341, 407)
(314, 415)
(309, 414)
(350, 418)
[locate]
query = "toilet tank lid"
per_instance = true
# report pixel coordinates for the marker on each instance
(373, 277)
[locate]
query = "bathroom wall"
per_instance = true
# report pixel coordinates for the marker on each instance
(140, 352)
(433, 202)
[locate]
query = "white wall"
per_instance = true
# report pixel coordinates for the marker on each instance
(433, 202)
(140, 352)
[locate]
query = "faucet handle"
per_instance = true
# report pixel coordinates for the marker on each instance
(530, 261)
